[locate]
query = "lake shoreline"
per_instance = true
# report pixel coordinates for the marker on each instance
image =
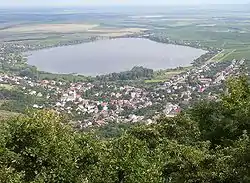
(146, 49)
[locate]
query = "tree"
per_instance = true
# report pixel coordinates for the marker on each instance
(209, 143)
(8, 175)
(224, 121)
(126, 160)
(212, 122)
(41, 147)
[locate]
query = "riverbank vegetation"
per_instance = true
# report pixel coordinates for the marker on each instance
(208, 143)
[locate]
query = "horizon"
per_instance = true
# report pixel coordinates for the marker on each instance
(120, 3)
(125, 6)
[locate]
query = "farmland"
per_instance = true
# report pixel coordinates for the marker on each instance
(217, 27)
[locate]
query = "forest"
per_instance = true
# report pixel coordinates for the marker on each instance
(207, 143)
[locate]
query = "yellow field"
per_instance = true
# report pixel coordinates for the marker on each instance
(72, 28)
(45, 28)
(116, 32)
(132, 30)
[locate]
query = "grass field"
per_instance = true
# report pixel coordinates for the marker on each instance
(51, 33)
(116, 32)
(163, 75)
(223, 55)
(221, 28)
(46, 28)
(236, 45)
(238, 54)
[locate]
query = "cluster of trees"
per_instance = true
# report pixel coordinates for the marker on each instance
(33, 73)
(15, 100)
(133, 74)
(64, 77)
(208, 143)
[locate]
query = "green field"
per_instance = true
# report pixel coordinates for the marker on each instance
(163, 75)
(226, 29)
(236, 45)
(224, 55)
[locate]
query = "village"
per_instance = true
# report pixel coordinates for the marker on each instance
(96, 103)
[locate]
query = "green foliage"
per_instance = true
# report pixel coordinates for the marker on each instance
(125, 160)
(223, 121)
(63, 77)
(133, 74)
(41, 147)
(208, 143)
(8, 175)
(181, 128)
(211, 121)
(113, 130)
(30, 72)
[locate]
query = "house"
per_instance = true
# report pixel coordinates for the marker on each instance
(32, 92)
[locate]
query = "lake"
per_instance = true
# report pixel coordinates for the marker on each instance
(116, 55)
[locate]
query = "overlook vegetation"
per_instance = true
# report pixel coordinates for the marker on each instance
(208, 143)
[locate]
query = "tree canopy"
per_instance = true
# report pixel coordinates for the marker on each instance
(208, 143)
(133, 74)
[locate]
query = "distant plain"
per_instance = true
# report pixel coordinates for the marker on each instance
(225, 27)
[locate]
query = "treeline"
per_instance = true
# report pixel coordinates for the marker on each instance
(33, 73)
(133, 74)
(208, 143)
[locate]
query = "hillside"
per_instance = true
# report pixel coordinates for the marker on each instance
(207, 143)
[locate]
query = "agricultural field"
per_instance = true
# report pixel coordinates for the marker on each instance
(114, 32)
(223, 55)
(61, 32)
(218, 27)
(234, 44)
(67, 28)
(45, 28)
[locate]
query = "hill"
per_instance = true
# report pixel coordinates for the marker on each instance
(208, 143)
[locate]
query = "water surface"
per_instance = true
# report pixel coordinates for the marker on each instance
(116, 55)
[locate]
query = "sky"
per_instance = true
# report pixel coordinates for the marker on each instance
(114, 2)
